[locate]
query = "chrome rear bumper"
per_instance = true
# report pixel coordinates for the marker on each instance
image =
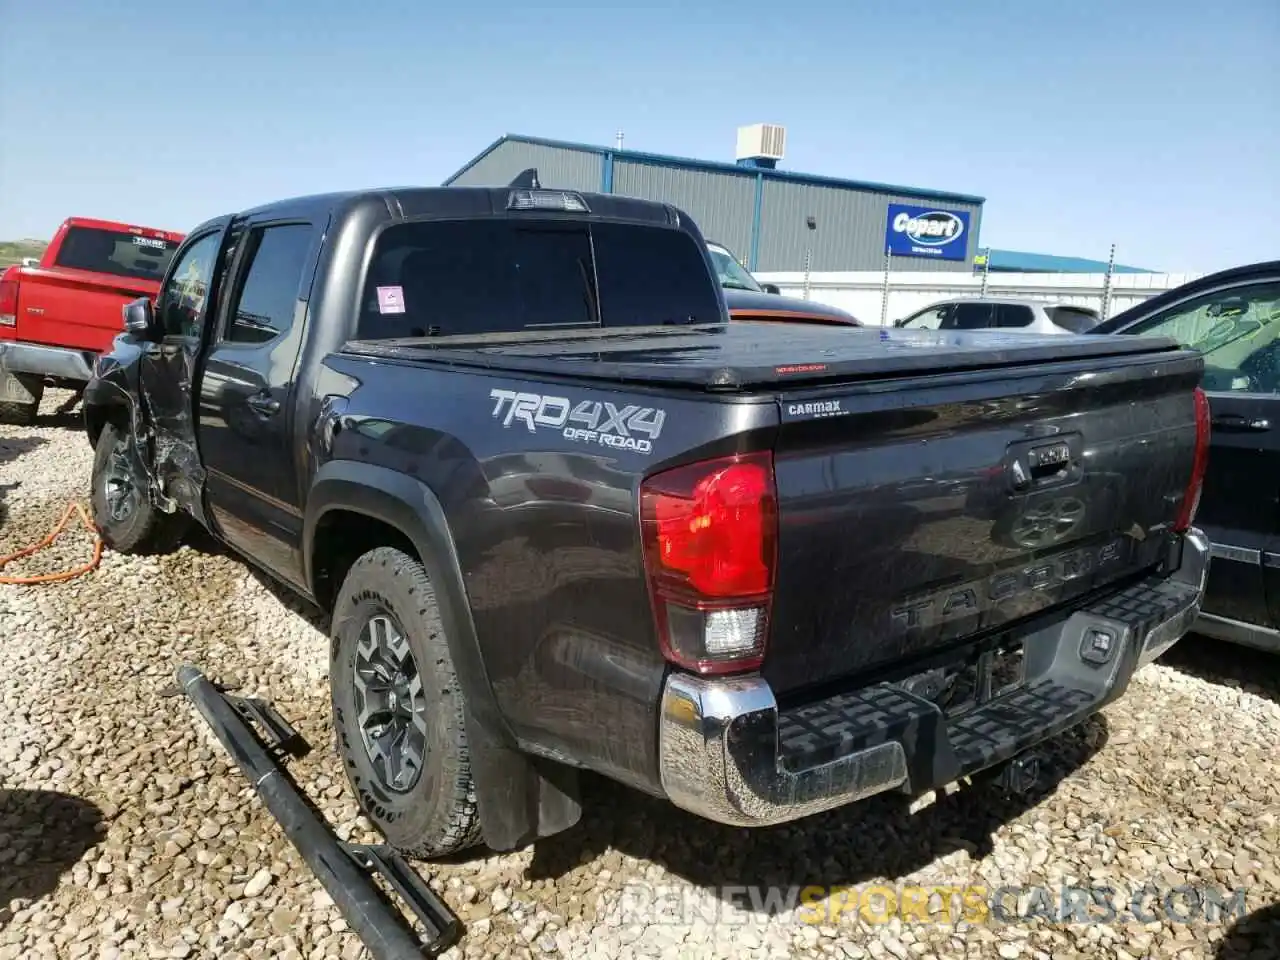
(727, 753)
(1238, 632)
(62, 362)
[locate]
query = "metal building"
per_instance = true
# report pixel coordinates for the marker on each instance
(771, 218)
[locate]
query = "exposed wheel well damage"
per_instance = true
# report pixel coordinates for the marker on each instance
(341, 538)
(98, 416)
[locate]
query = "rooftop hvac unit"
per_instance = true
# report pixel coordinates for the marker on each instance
(766, 141)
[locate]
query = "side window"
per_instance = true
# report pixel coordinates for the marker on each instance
(267, 294)
(183, 298)
(1235, 329)
(1074, 319)
(1013, 315)
(930, 319)
(652, 275)
(969, 316)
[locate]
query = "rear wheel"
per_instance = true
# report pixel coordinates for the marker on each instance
(20, 396)
(125, 516)
(398, 708)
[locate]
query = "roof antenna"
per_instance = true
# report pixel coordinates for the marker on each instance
(619, 141)
(526, 180)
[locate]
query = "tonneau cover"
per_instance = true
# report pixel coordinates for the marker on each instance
(744, 355)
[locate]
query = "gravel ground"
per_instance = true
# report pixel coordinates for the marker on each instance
(124, 832)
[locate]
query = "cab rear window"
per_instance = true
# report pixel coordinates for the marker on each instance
(505, 275)
(118, 253)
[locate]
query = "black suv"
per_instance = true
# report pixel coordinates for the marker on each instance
(1233, 319)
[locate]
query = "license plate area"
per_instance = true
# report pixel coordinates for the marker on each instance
(960, 687)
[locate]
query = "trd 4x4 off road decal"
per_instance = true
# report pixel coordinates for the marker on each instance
(588, 421)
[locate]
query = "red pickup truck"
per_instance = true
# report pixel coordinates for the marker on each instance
(56, 317)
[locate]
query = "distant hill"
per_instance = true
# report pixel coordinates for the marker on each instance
(12, 251)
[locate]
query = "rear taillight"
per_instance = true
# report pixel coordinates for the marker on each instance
(9, 298)
(1191, 498)
(710, 533)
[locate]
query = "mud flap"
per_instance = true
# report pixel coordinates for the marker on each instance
(521, 798)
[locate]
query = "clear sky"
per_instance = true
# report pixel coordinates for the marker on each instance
(1154, 125)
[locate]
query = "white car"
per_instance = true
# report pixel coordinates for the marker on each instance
(1002, 313)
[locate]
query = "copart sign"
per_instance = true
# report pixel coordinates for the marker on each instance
(926, 232)
(595, 422)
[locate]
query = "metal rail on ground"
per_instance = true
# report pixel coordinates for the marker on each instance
(345, 870)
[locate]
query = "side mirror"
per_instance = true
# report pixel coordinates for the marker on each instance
(140, 319)
(771, 288)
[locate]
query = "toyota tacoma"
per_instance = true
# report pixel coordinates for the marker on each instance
(566, 516)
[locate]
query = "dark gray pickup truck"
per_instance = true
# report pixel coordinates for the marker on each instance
(566, 517)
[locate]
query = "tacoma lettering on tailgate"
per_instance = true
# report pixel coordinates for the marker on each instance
(962, 600)
(587, 421)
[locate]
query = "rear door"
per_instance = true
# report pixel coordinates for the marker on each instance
(1237, 328)
(247, 380)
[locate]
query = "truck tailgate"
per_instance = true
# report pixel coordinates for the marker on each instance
(74, 308)
(916, 513)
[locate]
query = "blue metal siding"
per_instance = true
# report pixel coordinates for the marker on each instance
(851, 229)
(565, 169)
(759, 214)
(912, 194)
(721, 204)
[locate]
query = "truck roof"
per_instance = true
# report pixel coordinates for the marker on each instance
(404, 203)
(738, 356)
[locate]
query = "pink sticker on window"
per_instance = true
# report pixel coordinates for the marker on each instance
(390, 300)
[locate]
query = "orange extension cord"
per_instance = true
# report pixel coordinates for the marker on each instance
(72, 510)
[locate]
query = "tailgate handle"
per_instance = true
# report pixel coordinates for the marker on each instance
(1050, 461)
(1233, 421)
(1043, 464)
(1047, 471)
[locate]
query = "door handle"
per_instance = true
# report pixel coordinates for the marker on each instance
(1233, 421)
(264, 404)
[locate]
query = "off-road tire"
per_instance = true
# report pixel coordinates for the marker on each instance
(23, 414)
(437, 815)
(146, 529)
